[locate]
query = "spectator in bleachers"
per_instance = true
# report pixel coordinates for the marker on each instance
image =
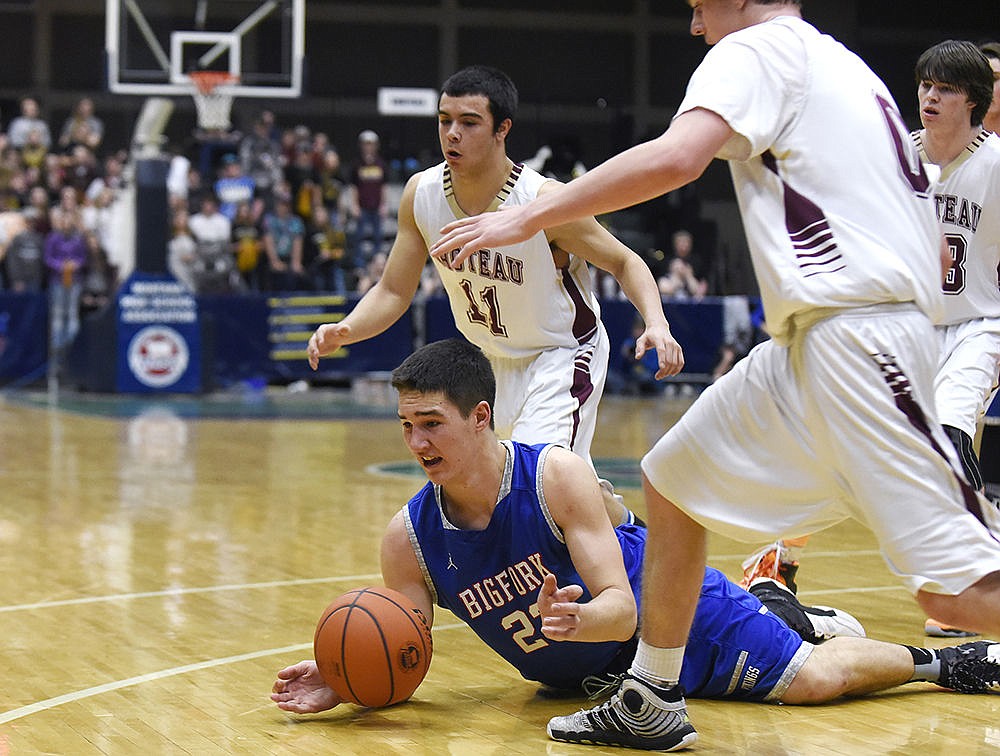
(81, 127)
(18, 190)
(23, 262)
(68, 204)
(233, 187)
(21, 126)
(330, 186)
(209, 225)
(301, 178)
(21, 249)
(319, 146)
(80, 168)
(326, 256)
(681, 283)
(178, 178)
(65, 256)
(284, 234)
(98, 277)
(98, 217)
(214, 266)
(260, 156)
(54, 177)
(290, 139)
(182, 253)
(369, 202)
(111, 176)
(10, 166)
(36, 212)
(34, 151)
(248, 244)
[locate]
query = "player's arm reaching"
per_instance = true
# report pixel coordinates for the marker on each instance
(675, 158)
(589, 240)
(574, 500)
(385, 302)
(300, 688)
(400, 569)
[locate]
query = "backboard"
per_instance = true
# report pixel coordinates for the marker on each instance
(152, 45)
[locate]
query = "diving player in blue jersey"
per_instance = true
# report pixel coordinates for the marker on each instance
(514, 540)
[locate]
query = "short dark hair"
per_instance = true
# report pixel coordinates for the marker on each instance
(496, 86)
(964, 66)
(454, 367)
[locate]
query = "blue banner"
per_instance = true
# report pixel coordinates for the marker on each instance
(159, 339)
(24, 331)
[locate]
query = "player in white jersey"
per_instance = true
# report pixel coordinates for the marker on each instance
(954, 88)
(834, 416)
(539, 323)
(530, 307)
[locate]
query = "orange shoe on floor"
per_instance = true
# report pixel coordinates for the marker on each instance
(767, 563)
(937, 629)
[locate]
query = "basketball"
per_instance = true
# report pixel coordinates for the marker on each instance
(372, 646)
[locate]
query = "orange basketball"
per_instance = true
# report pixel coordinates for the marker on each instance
(372, 646)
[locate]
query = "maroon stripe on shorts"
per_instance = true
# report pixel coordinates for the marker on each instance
(902, 391)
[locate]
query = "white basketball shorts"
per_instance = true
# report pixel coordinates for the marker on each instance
(553, 397)
(967, 373)
(839, 424)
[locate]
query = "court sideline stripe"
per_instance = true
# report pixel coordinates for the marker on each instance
(352, 578)
(184, 591)
(79, 695)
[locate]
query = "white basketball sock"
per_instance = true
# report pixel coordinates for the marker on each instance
(660, 666)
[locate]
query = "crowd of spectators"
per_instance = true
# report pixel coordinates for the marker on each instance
(56, 198)
(276, 210)
(281, 213)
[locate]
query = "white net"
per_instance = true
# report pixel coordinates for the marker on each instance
(213, 106)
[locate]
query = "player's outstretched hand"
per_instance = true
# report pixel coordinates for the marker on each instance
(558, 608)
(301, 689)
(481, 232)
(326, 340)
(669, 355)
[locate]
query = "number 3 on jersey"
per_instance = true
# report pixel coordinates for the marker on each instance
(487, 315)
(954, 281)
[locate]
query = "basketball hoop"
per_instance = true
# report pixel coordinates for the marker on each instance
(213, 106)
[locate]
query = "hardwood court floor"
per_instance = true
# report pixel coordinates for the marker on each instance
(159, 562)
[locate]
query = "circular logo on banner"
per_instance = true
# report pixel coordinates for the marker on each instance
(158, 356)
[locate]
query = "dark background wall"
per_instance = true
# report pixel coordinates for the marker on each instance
(604, 73)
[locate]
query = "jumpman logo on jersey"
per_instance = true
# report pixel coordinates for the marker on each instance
(451, 564)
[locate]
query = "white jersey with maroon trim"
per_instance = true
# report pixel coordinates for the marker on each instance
(786, 90)
(967, 201)
(512, 301)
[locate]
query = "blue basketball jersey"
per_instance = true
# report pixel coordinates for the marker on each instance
(490, 579)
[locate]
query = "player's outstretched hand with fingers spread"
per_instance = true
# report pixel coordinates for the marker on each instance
(302, 690)
(669, 355)
(327, 339)
(481, 232)
(558, 608)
